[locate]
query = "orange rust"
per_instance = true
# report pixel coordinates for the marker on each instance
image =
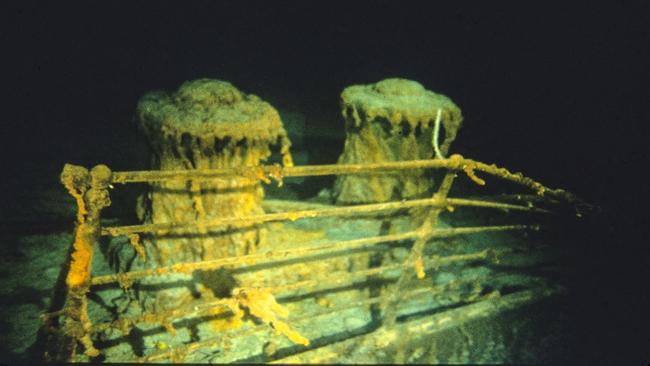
(276, 173)
(261, 304)
(227, 317)
(469, 170)
(79, 273)
(419, 268)
(134, 239)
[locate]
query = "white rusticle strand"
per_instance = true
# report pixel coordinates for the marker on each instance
(436, 133)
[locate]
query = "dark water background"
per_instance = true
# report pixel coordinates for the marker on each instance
(557, 91)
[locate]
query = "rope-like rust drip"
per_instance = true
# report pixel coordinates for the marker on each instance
(331, 280)
(436, 290)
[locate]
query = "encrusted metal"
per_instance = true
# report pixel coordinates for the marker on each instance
(267, 278)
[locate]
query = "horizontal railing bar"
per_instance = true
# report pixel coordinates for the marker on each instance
(485, 309)
(340, 278)
(276, 205)
(327, 212)
(296, 253)
(344, 278)
(454, 162)
(155, 318)
(249, 259)
(192, 347)
(286, 172)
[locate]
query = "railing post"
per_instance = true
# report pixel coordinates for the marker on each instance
(425, 231)
(90, 190)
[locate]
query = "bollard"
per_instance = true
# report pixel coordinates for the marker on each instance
(208, 124)
(392, 120)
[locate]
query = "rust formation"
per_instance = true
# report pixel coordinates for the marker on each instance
(257, 298)
(392, 120)
(208, 124)
(205, 286)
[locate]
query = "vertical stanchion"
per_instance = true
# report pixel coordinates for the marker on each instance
(415, 256)
(90, 190)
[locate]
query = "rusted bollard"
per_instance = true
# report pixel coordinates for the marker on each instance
(392, 120)
(208, 124)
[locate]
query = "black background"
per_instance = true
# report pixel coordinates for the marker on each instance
(556, 91)
(552, 90)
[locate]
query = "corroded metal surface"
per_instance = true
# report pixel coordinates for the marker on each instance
(207, 124)
(392, 120)
(314, 269)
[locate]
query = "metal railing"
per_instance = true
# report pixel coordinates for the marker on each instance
(70, 326)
